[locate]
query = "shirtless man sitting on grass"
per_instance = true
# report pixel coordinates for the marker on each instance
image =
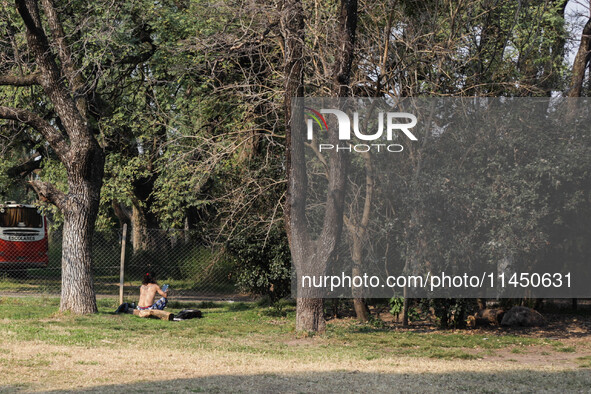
(148, 291)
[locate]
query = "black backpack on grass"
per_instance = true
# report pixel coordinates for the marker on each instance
(187, 314)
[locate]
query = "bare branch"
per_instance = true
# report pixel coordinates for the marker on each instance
(22, 170)
(16, 80)
(51, 134)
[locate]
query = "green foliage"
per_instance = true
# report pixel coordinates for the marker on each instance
(396, 305)
(263, 263)
(450, 312)
(188, 105)
(5, 181)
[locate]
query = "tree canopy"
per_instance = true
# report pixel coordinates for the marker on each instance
(186, 102)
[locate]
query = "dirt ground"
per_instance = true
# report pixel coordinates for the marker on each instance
(66, 368)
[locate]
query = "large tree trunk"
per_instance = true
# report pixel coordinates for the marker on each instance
(142, 235)
(77, 284)
(80, 211)
(310, 314)
(312, 256)
(75, 145)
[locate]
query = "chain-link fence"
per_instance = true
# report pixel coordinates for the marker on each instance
(191, 266)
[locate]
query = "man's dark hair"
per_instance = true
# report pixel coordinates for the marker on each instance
(148, 278)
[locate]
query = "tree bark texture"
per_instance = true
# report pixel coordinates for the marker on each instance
(311, 256)
(310, 315)
(75, 145)
(581, 61)
(142, 217)
(77, 283)
(357, 233)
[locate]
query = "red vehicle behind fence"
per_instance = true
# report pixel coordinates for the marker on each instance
(23, 237)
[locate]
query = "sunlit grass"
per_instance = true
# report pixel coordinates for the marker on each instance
(237, 327)
(233, 341)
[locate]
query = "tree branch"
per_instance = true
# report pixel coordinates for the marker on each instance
(48, 192)
(57, 32)
(75, 80)
(344, 56)
(52, 135)
(22, 170)
(16, 80)
(51, 77)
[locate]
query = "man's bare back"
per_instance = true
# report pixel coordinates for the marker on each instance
(147, 294)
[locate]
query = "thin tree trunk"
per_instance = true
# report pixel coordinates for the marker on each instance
(359, 304)
(581, 60)
(309, 311)
(414, 246)
(357, 234)
(405, 307)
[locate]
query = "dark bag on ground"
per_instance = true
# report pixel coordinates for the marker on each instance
(187, 314)
(125, 308)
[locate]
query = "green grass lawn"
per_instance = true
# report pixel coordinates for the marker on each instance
(36, 284)
(234, 332)
(227, 325)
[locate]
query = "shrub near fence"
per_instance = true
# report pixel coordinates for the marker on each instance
(179, 258)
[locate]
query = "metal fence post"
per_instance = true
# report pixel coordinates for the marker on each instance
(122, 271)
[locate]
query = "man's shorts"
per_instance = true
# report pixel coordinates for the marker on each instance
(160, 304)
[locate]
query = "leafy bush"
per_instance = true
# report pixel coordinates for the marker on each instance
(263, 263)
(396, 305)
(450, 312)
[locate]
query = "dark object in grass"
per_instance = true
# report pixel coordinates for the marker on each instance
(125, 308)
(486, 317)
(187, 314)
(522, 316)
(489, 316)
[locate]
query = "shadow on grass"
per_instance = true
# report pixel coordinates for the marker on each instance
(355, 381)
